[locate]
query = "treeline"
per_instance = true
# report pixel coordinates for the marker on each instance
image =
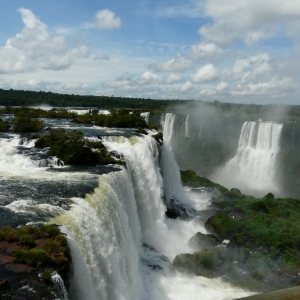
(121, 118)
(26, 98)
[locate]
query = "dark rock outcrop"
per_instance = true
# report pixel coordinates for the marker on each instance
(201, 241)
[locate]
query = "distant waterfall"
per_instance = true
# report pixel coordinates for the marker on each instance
(146, 115)
(253, 168)
(172, 180)
(187, 128)
(200, 131)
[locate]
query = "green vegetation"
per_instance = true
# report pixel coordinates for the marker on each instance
(200, 240)
(54, 252)
(159, 137)
(37, 112)
(10, 234)
(191, 179)
(72, 148)
(142, 131)
(25, 124)
(263, 234)
(121, 118)
(33, 257)
(25, 119)
(3, 126)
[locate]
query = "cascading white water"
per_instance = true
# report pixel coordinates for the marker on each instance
(10, 161)
(253, 168)
(200, 131)
(103, 112)
(146, 115)
(187, 128)
(15, 164)
(59, 286)
(106, 231)
(79, 111)
(172, 180)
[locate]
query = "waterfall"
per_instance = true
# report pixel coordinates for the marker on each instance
(79, 111)
(187, 128)
(172, 180)
(146, 115)
(200, 131)
(106, 229)
(120, 239)
(253, 168)
(110, 225)
(59, 286)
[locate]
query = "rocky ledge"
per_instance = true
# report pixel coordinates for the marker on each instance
(32, 261)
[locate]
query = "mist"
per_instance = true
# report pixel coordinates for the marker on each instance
(208, 140)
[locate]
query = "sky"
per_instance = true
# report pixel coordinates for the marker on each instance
(241, 51)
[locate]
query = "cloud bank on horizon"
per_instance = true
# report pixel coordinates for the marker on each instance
(233, 51)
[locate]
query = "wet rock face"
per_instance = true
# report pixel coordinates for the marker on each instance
(177, 209)
(201, 241)
(28, 287)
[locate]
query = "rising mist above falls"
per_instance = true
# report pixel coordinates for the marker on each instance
(214, 141)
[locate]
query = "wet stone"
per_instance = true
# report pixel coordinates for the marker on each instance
(19, 268)
(4, 259)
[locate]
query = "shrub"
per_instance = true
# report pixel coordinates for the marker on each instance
(47, 275)
(95, 144)
(27, 240)
(34, 136)
(142, 131)
(25, 124)
(258, 273)
(49, 231)
(222, 225)
(3, 126)
(53, 247)
(43, 141)
(33, 257)
(159, 137)
(8, 234)
(62, 240)
(260, 206)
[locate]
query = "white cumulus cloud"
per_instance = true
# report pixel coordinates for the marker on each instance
(107, 20)
(173, 78)
(187, 86)
(206, 73)
(33, 48)
(202, 51)
(150, 78)
(249, 20)
(221, 86)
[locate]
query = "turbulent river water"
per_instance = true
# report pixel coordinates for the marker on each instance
(122, 243)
